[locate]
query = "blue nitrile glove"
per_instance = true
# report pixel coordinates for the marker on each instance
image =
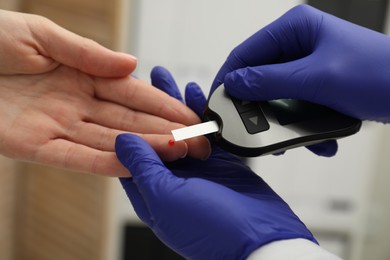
(311, 55)
(212, 209)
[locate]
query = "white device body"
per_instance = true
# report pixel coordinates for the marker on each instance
(233, 134)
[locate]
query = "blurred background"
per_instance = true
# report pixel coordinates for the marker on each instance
(47, 213)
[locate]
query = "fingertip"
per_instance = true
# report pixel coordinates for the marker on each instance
(326, 149)
(195, 98)
(166, 148)
(179, 150)
(279, 153)
(230, 78)
(233, 84)
(169, 150)
(126, 64)
(162, 79)
(185, 151)
(194, 90)
(244, 83)
(192, 85)
(158, 70)
(173, 150)
(125, 181)
(133, 61)
(107, 63)
(122, 140)
(125, 144)
(132, 57)
(199, 148)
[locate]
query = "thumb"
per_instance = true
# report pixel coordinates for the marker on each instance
(285, 80)
(142, 161)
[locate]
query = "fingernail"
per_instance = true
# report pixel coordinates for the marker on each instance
(131, 56)
(208, 155)
(186, 151)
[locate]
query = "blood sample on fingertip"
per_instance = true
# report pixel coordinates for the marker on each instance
(171, 142)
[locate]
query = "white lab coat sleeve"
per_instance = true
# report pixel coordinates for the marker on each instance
(292, 249)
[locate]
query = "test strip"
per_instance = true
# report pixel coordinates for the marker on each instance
(195, 130)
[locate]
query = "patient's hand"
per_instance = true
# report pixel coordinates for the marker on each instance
(69, 119)
(65, 98)
(32, 44)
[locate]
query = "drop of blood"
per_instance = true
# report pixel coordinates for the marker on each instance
(171, 142)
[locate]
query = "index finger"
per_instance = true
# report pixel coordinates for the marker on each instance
(141, 96)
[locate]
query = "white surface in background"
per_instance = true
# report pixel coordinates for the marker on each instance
(193, 38)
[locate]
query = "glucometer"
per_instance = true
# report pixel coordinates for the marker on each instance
(248, 128)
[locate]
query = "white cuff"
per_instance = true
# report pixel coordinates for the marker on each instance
(292, 249)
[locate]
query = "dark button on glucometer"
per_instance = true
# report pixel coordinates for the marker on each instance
(251, 115)
(254, 121)
(244, 106)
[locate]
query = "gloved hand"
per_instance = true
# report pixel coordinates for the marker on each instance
(310, 55)
(204, 209)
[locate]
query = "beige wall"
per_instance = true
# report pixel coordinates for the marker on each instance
(8, 191)
(46, 213)
(9, 4)
(94, 19)
(60, 215)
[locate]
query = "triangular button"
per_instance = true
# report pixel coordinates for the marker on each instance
(254, 120)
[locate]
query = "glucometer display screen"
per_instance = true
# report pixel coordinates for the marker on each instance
(290, 111)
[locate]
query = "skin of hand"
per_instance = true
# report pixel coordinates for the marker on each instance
(65, 98)
(311, 55)
(204, 209)
(32, 44)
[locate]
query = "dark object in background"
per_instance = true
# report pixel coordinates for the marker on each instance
(140, 243)
(367, 13)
